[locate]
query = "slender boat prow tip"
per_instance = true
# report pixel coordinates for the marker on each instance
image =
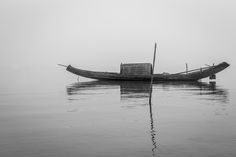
(62, 65)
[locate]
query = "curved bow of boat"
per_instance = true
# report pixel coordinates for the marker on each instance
(92, 74)
(200, 73)
(213, 70)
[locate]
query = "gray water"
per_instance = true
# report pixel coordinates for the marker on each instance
(50, 114)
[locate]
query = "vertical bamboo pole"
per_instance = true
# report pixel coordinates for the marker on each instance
(153, 65)
(186, 64)
(154, 58)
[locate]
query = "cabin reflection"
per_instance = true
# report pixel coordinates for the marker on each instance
(137, 92)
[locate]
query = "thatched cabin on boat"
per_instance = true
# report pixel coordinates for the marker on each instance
(136, 69)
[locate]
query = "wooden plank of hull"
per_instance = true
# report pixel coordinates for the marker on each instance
(192, 76)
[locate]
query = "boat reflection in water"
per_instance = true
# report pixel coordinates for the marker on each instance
(138, 93)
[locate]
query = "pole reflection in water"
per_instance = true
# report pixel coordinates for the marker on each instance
(138, 94)
(153, 132)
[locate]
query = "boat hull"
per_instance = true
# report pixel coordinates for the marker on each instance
(193, 75)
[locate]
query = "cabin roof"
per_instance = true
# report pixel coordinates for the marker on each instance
(135, 64)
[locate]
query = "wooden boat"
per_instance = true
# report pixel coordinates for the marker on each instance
(143, 72)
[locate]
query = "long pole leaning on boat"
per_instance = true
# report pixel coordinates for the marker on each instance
(153, 65)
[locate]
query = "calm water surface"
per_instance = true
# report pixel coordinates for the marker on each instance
(50, 117)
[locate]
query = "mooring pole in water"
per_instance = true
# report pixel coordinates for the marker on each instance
(150, 105)
(154, 58)
(153, 65)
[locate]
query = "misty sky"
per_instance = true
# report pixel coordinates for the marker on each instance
(100, 34)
